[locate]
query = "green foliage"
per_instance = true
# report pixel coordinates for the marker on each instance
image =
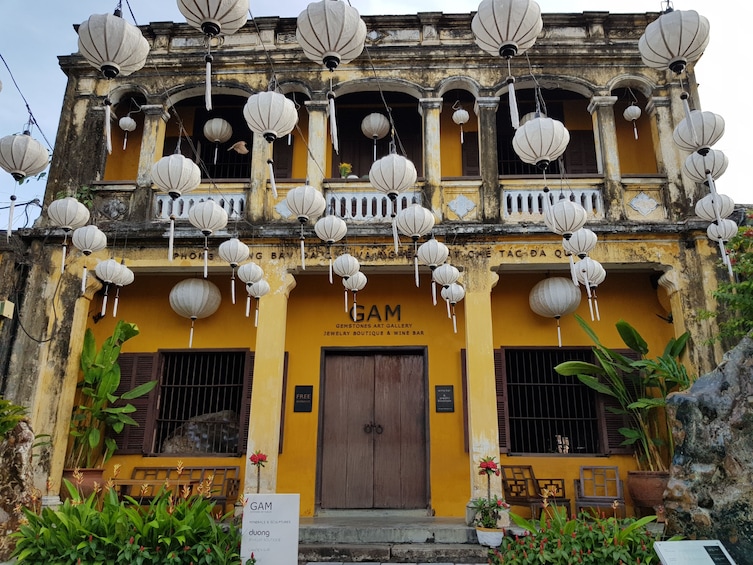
(95, 415)
(640, 387)
(586, 539)
(10, 415)
(735, 298)
(84, 194)
(103, 529)
(488, 511)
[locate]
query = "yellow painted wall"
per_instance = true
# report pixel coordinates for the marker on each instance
(577, 116)
(451, 149)
(636, 156)
(124, 164)
(300, 152)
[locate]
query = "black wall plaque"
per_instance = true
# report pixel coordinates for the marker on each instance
(444, 398)
(304, 396)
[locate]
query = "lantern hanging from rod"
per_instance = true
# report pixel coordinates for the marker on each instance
(88, 240)
(674, 39)
(330, 230)
(700, 132)
(234, 252)
(331, 32)
(212, 18)
(540, 140)
(208, 216)
(713, 207)
(507, 28)
(433, 253)
(460, 116)
(257, 290)
(700, 167)
(722, 231)
(631, 114)
(453, 294)
(271, 115)
(579, 244)
(107, 271)
(305, 202)
(565, 217)
(175, 175)
(415, 221)
(250, 273)
(68, 214)
(217, 131)
(591, 274)
(346, 266)
(116, 48)
(553, 298)
(354, 283)
(375, 126)
(445, 275)
(124, 278)
(195, 299)
(393, 174)
(127, 124)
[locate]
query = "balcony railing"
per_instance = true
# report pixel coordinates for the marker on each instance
(526, 203)
(371, 206)
(165, 206)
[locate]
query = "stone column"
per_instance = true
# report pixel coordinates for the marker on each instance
(317, 155)
(269, 364)
(431, 109)
(486, 110)
(259, 194)
(152, 142)
(483, 432)
(607, 154)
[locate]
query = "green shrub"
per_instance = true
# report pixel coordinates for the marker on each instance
(10, 415)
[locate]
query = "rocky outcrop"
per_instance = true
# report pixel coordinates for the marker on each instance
(710, 491)
(16, 487)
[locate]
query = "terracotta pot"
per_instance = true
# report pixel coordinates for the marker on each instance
(490, 537)
(86, 487)
(647, 488)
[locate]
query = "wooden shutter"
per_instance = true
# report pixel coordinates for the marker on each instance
(500, 380)
(470, 152)
(248, 381)
(135, 369)
(611, 422)
(283, 157)
(580, 155)
(464, 379)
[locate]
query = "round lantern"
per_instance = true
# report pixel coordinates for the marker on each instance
(354, 283)
(305, 202)
(564, 217)
(108, 272)
(257, 290)
(460, 116)
(234, 252)
(415, 221)
(553, 298)
(540, 141)
(212, 17)
(580, 243)
(330, 229)
(722, 231)
(346, 266)
(124, 278)
(127, 124)
(445, 275)
(713, 207)
(217, 131)
(112, 45)
(375, 126)
(700, 133)
(433, 253)
(194, 299)
(453, 294)
(590, 274)
(392, 174)
(330, 32)
(698, 167)
(209, 217)
(631, 114)
(270, 114)
(250, 273)
(22, 156)
(674, 39)
(176, 175)
(507, 27)
(69, 214)
(88, 239)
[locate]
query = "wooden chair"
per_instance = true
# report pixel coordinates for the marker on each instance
(522, 488)
(599, 487)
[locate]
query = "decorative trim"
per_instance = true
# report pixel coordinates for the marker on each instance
(643, 204)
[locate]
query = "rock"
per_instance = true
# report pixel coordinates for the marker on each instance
(209, 433)
(16, 484)
(710, 490)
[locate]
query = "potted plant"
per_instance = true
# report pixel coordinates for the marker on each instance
(345, 169)
(640, 388)
(488, 511)
(96, 415)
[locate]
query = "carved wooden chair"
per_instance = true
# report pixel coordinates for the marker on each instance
(523, 488)
(599, 488)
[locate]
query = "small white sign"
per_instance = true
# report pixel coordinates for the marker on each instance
(693, 552)
(270, 528)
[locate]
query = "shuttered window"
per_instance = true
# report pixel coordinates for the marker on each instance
(540, 411)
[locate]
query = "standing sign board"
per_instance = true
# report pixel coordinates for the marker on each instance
(693, 552)
(270, 528)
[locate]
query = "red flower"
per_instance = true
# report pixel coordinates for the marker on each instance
(258, 458)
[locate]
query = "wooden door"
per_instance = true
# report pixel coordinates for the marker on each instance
(374, 432)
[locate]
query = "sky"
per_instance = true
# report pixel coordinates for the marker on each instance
(36, 32)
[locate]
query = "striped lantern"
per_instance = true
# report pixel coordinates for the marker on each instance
(415, 221)
(553, 298)
(88, 240)
(453, 294)
(433, 253)
(69, 214)
(234, 252)
(305, 202)
(330, 230)
(195, 299)
(209, 217)
(590, 274)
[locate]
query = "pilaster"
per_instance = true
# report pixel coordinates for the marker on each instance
(431, 109)
(602, 112)
(152, 141)
(317, 154)
(486, 110)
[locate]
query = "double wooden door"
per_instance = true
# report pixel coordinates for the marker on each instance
(373, 451)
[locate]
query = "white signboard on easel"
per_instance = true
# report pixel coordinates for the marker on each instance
(693, 552)
(270, 528)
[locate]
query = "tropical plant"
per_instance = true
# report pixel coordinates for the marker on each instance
(258, 460)
(172, 529)
(96, 414)
(488, 510)
(345, 169)
(588, 539)
(10, 415)
(640, 388)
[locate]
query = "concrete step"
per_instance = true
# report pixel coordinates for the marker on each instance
(445, 553)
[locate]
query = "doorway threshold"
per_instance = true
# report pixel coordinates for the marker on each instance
(372, 513)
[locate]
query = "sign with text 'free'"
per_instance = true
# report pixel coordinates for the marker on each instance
(270, 528)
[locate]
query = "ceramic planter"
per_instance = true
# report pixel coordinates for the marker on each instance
(490, 537)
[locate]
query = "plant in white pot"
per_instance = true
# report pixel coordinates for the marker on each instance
(490, 512)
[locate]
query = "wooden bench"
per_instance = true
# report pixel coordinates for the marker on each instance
(599, 488)
(146, 481)
(522, 488)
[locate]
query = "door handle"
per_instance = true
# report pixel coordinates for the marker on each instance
(368, 428)
(378, 428)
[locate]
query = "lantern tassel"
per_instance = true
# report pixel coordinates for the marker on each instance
(271, 164)
(725, 258)
(104, 301)
(355, 304)
(115, 303)
(125, 141)
(559, 333)
(303, 251)
(65, 252)
(208, 81)
(635, 130)
(434, 293)
(686, 106)
(83, 280)
(596, 306)
(190, 335)
(449, 314)
(10, 215)
(454, 321)
(330, 269)
(514, 116)
(333, 122)
(216, 147)
(248, 306)
(346, 300)
(375, 148)
(462, 139)
(395, 237)
(256, 314)
(108, 127)
(206, 256)
(415, 269)
(171, 239)
(572, 270)
(232, 286)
